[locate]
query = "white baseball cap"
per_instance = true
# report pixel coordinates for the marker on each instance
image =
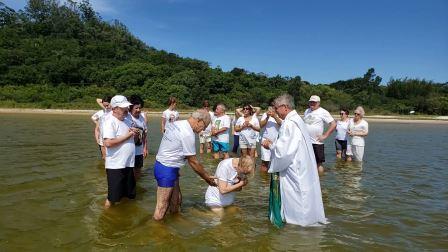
(314, 98)
(119, 101)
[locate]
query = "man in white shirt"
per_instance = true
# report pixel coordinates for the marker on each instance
(315, 118)
(177, 147)
(293, 159)
(120, 151)
(220, 132)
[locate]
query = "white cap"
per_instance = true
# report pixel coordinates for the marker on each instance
(314, 98)
(119, 101)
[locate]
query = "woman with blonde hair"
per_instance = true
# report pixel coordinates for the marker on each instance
(358, 129)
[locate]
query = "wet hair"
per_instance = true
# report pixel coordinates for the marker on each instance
(106, 98)
(171, 100)
(135, 100)
(246, 164)
(202, 115)
(285, 99)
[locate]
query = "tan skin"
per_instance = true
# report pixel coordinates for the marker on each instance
(170, 198)
(247, 117)
(270, 113)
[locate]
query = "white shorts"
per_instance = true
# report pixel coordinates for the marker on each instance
(265, 154)
(244, 144)
(357, 152)
(205, 138)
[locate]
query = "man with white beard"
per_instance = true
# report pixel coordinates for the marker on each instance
(294, 161)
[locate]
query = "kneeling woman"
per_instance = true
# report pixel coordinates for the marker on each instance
(231, 176)
(248, 126)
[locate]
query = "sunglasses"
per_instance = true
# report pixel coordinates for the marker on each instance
(246, 108)
(342, 113)
(357, 114)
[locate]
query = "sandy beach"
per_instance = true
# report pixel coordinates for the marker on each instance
(371, 118)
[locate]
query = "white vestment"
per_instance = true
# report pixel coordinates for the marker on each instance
(293, 157)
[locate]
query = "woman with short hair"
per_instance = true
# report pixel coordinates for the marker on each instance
(358, 129)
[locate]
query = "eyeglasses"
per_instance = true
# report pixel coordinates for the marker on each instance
(247, 108)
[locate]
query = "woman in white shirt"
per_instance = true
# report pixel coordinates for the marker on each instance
(248, 126)
(358, 129)
(342, 134)
(170, 115)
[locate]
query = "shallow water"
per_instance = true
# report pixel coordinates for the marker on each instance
(53, 186)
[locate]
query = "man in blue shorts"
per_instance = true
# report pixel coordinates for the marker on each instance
(220, 132)
(177, 147)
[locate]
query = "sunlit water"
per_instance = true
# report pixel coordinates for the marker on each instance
(53, 186)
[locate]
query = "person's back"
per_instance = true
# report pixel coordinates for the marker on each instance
(231, 176)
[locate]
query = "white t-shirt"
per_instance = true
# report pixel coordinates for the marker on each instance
(170, 116)
(270, 130)
(314, 120)
(209, 127)
(234, 123)
(219, 123)
(225, 172)
(341, 130)
(361, 126)
(122, 155)
(139, 123)
(249, 134)
(98, 114)
(177, 143)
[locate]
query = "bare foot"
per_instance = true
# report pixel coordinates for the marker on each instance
(107, 204)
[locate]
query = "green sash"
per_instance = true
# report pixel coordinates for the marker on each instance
(275, 201)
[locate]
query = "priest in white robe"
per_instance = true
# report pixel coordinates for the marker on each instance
(293, 157)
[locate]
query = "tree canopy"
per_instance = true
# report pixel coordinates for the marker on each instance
(59, 55)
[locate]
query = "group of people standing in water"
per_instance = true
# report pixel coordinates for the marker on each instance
(290, 147)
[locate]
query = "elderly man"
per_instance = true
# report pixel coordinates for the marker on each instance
(314, 118)
(220, 132)
(118, 135)
(293, 158)
(177, 147)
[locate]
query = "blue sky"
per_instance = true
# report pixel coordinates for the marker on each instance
(321, 41)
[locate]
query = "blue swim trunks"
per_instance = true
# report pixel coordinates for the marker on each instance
(165, 176)
(219, 146)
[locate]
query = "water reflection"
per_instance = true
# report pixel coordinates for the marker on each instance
(53, 187)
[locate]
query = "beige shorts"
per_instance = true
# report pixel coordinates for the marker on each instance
(205, 138)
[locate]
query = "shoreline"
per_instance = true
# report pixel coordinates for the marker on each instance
(372, 118)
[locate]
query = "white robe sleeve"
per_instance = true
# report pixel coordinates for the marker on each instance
(285, 148)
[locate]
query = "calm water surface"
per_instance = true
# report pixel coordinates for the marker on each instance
(53, 186)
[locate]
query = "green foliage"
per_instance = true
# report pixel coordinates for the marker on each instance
(55, 55)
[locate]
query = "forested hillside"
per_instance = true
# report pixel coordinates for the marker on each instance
(55, 55)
